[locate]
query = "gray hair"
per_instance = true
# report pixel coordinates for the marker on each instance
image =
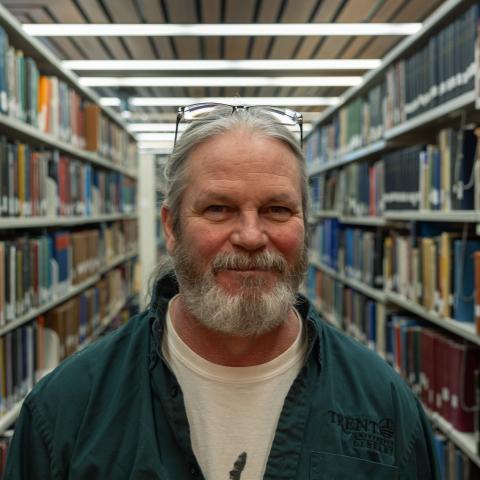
(221, 121)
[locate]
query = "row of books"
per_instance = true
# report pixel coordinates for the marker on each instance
(433, 177)
(436, 270)
(439, 176)
(354, 252)
(439, 70)
(35, 270)
(28, 352)
(442, 370)
(53, 107)
(355, 190)
(358, 123)
(37, 182)
(454, 463)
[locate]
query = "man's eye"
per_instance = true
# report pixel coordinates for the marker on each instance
(278, 212)
(216, 209)
(216, 212)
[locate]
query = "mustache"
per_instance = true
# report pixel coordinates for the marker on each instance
(240, 261)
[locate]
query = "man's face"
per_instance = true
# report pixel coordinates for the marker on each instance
(241, 238)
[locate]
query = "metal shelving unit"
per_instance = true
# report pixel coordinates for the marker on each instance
(463, 101)
(27, 132)
(464, 330)
(9, 417)
(72, 291)
(34, 222)
(378, 295)
(465, 441)
(362, 153)
(460, 216)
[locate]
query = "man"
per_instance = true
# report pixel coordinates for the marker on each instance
(229, 374)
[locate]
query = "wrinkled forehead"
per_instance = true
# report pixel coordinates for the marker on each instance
(237, 155)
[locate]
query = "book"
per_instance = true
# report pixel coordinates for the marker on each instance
(463, 307)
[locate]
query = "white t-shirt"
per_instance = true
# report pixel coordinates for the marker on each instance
(232, 411)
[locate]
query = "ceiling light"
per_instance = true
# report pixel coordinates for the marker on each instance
(181, 101)
(220, 81)
(154, 127)
(218, 29)
(162, 136)
(216, 65)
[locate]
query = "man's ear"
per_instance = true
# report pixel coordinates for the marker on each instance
(167, 222)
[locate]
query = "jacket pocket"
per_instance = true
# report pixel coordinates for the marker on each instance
(330, 466)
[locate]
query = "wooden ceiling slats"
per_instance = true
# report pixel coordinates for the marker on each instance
(296, 11)
(354, 11)
(211, 14)
(183, 11)
(413, 11)
(383, 14)
(65, 45)
(67, 12)
(210, 11)
(238, 12)
(267, 14)
(324, 15)
(154, 14)
(125, 12)
(95, 14)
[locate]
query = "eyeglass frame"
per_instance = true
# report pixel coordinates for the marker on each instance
(298, 117)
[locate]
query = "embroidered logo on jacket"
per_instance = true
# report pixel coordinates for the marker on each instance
(368, 434)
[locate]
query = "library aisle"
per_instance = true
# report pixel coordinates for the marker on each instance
(389, 93)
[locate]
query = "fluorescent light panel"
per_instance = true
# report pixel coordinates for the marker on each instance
(156, 136)
(217, 65)
(219, 29)
(220, 81)
(181, 101)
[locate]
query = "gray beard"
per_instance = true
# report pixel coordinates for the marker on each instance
(252, 310)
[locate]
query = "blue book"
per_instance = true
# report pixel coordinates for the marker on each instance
(61, 253)
(459, 464)
(371, 329)
(464, 287)
(440, 444)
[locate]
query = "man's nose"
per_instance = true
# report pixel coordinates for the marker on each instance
(249, 233)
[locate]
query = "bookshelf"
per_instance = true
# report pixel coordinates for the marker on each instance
(378, 295)
(28, 133)
(37, 222)
(8, 418)
(68, 215)
(425, 136)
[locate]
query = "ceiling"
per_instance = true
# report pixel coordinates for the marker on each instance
(230, 48)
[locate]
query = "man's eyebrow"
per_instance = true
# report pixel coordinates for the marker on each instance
(224, 197)
(215, 197)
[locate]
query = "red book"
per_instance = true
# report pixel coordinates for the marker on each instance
(428, 368)
(476, 260)
(465, 359)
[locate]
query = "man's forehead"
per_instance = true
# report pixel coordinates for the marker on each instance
(241, 150)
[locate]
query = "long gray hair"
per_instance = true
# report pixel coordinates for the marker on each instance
(218, 122)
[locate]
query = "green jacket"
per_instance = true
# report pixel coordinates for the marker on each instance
(116, 411)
